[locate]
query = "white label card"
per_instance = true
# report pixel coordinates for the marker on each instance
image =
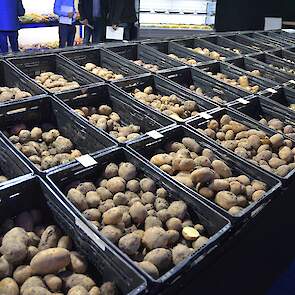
(243, 101)
(112, 34)
(86, 161)
(155, 134)
(271, 90)
(90, 234)
(205, 115)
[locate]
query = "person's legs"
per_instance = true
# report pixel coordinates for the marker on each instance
(13, 40)
(99, 30)
(63, 33)
(71, 35)
(3, 42)
(87, 35)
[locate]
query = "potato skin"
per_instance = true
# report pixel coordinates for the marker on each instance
(180, 252)
(161, 258)
(155, 237)
(8, 286)
(130, 244)
(50, 261)
(79, 280)
(149, 268)
(22, 273)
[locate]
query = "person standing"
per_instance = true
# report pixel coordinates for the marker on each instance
(66, 11)
(93, 17)
(122, 13)
(9, 24)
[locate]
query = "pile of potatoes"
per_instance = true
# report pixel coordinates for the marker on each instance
(37, 259)
(235, 50)
(44, 149)
(102, 72)
(150, 67)
(189, 60)
(55, 83)
(171, 106)
(8, 94)
(292, 106)
(211, 54)
(279, 126)
(284, 69)
(199, 91)
(274, 154)
(104, 118)
(139, 217)
(199, 169)
(243, 82)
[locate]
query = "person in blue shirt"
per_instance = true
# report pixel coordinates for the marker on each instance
(65, 10)
(9, 24)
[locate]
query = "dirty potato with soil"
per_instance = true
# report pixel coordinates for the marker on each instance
(55, 83)
(106, 119)
(46, 149)
(198, 168)
(102, 72)
(274, 154)
(37, 258)
(12, 94)
(130, 210)
(170, 105)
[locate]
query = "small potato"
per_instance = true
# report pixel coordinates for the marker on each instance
(78, 199)
(200, 242)
(155, 237)
(235, 210)
(130, 244)
(104, 194)
(258, 185)
(180, 252)
(86, 187)
(54, 283)
(108, 288)
(92, 199)
(116, 184)
(78, 263)
(202, 175)
(33, 281)
(161, 204)
(22, 273)
(221, 168)
(74, 280)
(127, 171)
(177, 209)
(50, 237)
(50, 261)
(161, 258)
(161, 159)
(147, 185)
(5, 268)
(112, 233)
(133, 185)
(138, 213)
(8, 286)
(285, 154)
(258, 195)
(94, 291)
(190, 233)
(191, 144)
(277, 140)
(111, 171)
(206, 192)
(65, 242)
(226, 199)
(78, 290)
(113, 216)
(218, 185)
(163, 215)
(161, 193)
(149, 268)
(152, 221)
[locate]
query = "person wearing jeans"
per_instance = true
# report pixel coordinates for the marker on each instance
(65, 10)
(9, 24)
(93, 17)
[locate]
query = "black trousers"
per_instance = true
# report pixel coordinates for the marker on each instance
(98, 32)
(66, 35)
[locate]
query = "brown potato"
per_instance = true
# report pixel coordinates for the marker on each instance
(155, 237)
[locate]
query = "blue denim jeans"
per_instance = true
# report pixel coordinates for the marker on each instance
(12, 36)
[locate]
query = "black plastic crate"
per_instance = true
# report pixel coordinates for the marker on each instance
(34, 65)
(196, 42)
(234, 73)
(48, 112)
(249, 42)
(191, 76)
(284, 55)
(215, 223)
(268, 40)
(104, 264)
(200, 123)
(267, 73)
(146, 149)
(11, 78)
(104, 58)
(230, 45)
(133, 52)
(167, 48)
(259, 107)
(130, 113)
(278, 37)
(11, 166)
(163, 86)
(283, 97)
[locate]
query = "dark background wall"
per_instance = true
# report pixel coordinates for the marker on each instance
(236, 15)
